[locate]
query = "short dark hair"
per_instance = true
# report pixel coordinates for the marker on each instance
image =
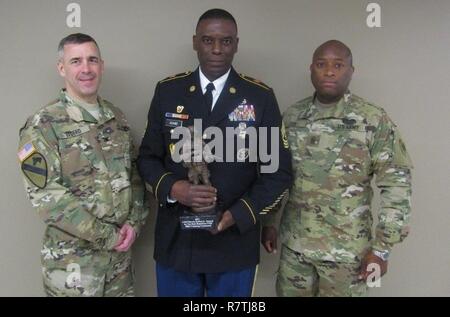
(76, 38)
(217, 14)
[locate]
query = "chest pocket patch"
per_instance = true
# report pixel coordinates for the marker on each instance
(76, 160)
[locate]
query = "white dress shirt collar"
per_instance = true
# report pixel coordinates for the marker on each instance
(219, 83)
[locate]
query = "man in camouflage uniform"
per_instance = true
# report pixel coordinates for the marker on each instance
(76, 158)
(338, 142)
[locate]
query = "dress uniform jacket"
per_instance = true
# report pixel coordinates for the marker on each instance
(241, 188)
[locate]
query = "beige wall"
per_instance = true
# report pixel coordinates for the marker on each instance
(403, 66)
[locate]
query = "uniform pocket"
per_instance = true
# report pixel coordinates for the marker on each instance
(77, 169)
(297, 141)
(115, 193)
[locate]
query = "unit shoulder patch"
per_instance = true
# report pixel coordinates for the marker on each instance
(254, 81)
(35, 169)
(177, 76)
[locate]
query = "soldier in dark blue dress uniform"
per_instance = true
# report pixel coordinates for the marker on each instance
(224, 262)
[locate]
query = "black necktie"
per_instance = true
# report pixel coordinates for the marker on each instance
(208, 96)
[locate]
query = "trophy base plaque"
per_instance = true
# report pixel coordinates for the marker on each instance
(206, 220)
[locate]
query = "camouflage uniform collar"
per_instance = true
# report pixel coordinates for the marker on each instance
(106, 112)
(337, 111)
(77, 113)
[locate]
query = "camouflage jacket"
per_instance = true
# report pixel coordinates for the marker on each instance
(79, 173)
(335, 154)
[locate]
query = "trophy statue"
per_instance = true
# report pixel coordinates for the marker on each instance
(198, 174)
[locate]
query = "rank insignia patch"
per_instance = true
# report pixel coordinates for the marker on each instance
(284, 136)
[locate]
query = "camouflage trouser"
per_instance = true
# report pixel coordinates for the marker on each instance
(299, 276)
(71, 271)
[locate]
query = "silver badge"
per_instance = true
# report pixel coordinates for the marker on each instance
(242, 155)
(242, 127)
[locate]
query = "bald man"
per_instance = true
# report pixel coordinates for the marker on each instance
(339, 142)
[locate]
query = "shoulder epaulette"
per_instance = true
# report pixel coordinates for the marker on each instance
(177, 76)
(255, 81)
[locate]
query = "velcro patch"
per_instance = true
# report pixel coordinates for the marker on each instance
(26, 151)
(35, 169)
(70, 133)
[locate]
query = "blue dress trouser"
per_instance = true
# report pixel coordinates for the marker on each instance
(172, 283)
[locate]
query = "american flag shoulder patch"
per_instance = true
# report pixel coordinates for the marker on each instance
(26, 151)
